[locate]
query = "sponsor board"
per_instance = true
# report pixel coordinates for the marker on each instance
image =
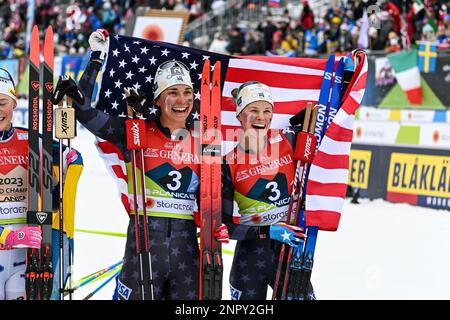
(375, 132)
(435, 135)
(419, 174)
(388, 133)
(421, 116)
(373, 114)
(359, 168)
(417, 115)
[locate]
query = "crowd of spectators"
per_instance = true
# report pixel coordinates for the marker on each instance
(73, 21)
(391, 26)
(374, 25)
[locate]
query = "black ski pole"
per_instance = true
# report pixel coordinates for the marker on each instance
(65, 123)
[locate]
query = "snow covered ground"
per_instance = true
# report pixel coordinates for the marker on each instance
(381, 250)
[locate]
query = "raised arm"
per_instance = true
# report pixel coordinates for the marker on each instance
(101, 124)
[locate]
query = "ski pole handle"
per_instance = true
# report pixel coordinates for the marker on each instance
(135, 133)
(305, 147)
(65, 123)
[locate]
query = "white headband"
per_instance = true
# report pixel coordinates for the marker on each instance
(250, 93)
(7, 88)
(170, 74)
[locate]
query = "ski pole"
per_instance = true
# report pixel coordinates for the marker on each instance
(136, 221)
(137, 113)
(295, 188)
(309, 129)
(294, 268)
(101, 271)
(90, 295)
(137, 141)
(65, 128)
(96, 276)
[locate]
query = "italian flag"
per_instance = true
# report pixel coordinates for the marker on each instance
(407, 74)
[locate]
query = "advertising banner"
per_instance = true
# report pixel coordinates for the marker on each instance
(358, 174)
(419, 179)
(401, 174)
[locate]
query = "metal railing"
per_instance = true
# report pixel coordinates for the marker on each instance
(200, 32)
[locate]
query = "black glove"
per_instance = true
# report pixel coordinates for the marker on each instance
(298, 118)
(66, 86)
(137, 100)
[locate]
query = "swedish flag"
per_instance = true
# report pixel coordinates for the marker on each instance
(427, 56)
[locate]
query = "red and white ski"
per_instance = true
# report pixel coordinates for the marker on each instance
(211, 268)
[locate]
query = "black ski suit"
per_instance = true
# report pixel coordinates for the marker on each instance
(256, 255)
(173, 241)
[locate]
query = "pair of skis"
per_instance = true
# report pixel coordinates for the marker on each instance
(39, 272)
(39, 269)
(299, 262)
(302, 262)
(211, 266)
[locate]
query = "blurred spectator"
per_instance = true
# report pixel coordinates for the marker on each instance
(75, 18)
(394, 14)
(237, 41)
(219, 44)
(268, 29)
(289, 43)
(109, 17)
(374, 41)
(253, 44)
(428, 33)
(195, 9)
(5, 12)
(180, 6)
(393, 42)
(442, 38)
(277, 38)
(218, 6)
(311, 44)
(168, 4)
(307, 16)
(345, 38)
(10, 35)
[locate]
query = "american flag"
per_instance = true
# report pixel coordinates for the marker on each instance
(328, 176)
(132, 62)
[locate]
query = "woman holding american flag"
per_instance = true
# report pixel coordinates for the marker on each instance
(171, 168)
(258, 175)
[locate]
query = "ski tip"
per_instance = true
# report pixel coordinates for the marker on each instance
(48, 47)
(34, 46)
(216, 75)
(49, 35)
(206, 66)
(341, 64)
(331, 63)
